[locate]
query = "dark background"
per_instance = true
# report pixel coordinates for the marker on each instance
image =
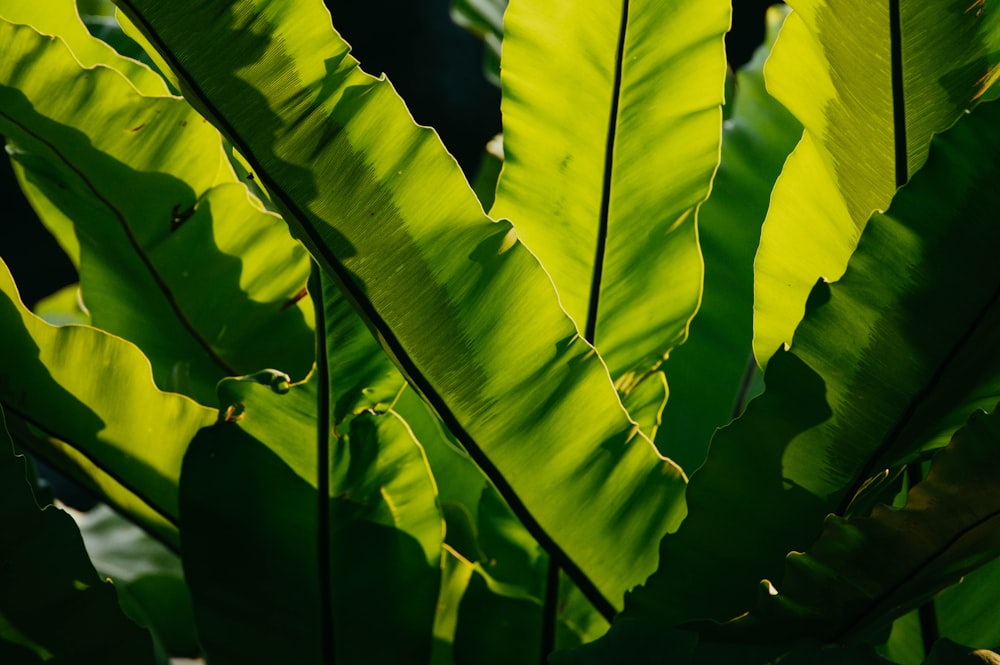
(435, 65)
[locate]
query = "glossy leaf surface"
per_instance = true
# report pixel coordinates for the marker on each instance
(707, 373)
(908, 69)
(607, 198)
(462, 307)
(94, 393)
(60, 18)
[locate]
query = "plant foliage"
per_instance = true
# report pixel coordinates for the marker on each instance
(372, 422)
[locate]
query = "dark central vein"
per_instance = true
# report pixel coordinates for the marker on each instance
(83, 450)
(137, 247)
(917, 401)
(345, 281)
(878, 602)
(898, 102)
(609, 153)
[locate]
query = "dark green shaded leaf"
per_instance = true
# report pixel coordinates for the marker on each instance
(947, 652)
(887, 361)
(864, 572)
(248, 498)
(967, 612)
(52, 603)
(147, 575)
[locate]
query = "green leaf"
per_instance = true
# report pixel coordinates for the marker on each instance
(52, 603)
(871, 82)
(501, 617)
(249, 504)
(93, 394)
(61, 18)
(706, 373)
(158, 214)
(905, 644)
(834, 655)
(889, 360)
(147, 575)
(606, 197)
(495, 627)
(455, 575)
(461, 306)
(864, 572)
(966, 611)
(63, 307)
(367, 559)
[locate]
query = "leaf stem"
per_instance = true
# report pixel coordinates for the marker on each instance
(549, 611)
(322, 468)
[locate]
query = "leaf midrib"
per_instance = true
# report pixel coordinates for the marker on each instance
(915, 403)
(137, 248)
(590, 331)
(84, 451)
(898, 98)
(878, 601)
(374, 320)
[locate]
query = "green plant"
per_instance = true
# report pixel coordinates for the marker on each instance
(302, 436)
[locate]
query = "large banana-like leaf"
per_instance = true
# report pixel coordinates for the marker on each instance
(53, 606)
(890, 359)
(94, 394)
(871, 82)
(158, 214)
(708, 372)
(863, 572)
(464, 309)
(611, 138)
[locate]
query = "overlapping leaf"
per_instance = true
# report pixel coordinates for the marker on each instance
(502, 614)
(464, 309)
(871, 82)
(890, 359)
(158, 215)
(707, 372)
(863, 572)
(61, 18)
(53, 606)
(382, 526)
(147, 576)
(93, 394)
(611, 139)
